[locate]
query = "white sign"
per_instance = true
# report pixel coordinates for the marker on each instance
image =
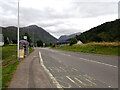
(25, 37)
(43, 44)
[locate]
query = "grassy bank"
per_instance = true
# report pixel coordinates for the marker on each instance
(106, 48)
(9, 64)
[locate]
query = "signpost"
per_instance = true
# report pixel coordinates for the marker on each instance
(18, 29)
(25, 37)
(43, 44)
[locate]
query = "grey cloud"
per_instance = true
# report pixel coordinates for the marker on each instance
(119, 10)
(75, 10)
(50, 17)
(8, 7)
(65, 32)
(94, 9)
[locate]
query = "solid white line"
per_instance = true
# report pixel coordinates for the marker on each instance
(98, 62)
(50, 75)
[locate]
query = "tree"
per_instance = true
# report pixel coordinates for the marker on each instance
(14, 41)
(6, 41)
(39, 43)
(73, 41)
(50, 44)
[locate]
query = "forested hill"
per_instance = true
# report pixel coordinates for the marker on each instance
(36, 33)
(108, 32)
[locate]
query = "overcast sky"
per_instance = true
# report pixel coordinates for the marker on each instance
(59, 17)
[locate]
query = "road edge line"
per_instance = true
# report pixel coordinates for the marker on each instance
(48, 72)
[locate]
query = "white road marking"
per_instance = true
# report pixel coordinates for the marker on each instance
(51, 76)
(66, 55)
(61, 79)
(80, 81)
(73, 81)
(98, 62)
(74, 69)
(70, 79)
(94, 61)
(90, 81)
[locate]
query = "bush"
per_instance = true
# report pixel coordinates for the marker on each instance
(39, 43)
(73, 41)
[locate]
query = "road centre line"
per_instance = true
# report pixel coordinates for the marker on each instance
(95, 61)
(98, 62)
(66, 54)
(50, 75)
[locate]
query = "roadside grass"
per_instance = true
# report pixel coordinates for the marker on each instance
(31, 50)
(106, 48)
(7, 73)
(8, 51)
(104, 43)
(0, 53)
(10, 63)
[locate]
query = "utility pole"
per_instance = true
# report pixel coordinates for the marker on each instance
(18, 29)
(33, 40)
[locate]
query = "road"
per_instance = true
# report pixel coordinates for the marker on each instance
(79, 70)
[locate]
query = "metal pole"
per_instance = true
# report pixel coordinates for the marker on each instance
(18, 29)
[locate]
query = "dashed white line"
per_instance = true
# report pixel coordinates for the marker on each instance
(94, 61)
(50, 75)
(98, 62)
(66, 55)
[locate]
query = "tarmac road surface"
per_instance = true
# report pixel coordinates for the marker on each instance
(79, 70)
(48, 68)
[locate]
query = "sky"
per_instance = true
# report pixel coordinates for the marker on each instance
(59, 17)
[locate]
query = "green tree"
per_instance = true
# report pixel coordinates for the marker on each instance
(39, 43)
(50, 44)
(73, 41)
(6, 41)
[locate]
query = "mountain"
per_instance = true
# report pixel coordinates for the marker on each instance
(66, 37)
(108, 32)
(36, 33)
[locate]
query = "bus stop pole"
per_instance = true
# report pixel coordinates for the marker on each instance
(18, 29)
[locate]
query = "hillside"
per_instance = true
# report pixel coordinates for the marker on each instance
(108, 32)
(65, 37)
(36, 33)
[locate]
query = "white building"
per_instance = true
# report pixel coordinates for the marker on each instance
(1, 40)
(79, 42)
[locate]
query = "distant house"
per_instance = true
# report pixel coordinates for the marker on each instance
(79, 42)
(1, 40)
(62, 43)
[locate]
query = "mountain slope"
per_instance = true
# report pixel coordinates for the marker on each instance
(36, 33)
(108, 32)
(66, 37)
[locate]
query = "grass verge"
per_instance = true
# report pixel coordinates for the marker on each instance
(9, 64)
(96, 48)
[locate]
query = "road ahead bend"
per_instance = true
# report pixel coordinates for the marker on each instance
(80, 70)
